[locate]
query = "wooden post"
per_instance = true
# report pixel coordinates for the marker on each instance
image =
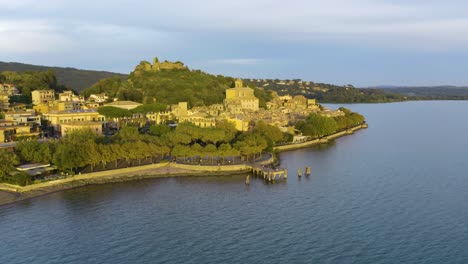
(299, 172)
(247, 179)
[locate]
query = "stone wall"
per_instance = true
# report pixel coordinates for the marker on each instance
(320, 141)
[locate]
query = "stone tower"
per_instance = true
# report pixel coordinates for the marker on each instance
(238, 83)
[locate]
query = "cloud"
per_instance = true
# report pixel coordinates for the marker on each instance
(401, 23)
(30, 36)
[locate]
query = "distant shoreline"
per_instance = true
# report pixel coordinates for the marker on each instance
(12, 193)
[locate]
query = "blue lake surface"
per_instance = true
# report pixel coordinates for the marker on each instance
(394, 193)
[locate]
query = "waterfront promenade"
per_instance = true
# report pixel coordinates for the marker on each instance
(158, 170)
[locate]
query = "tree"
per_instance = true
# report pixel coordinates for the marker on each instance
(34, 151)
(268, 131)
(250, 144)
(229, 129)
(146, 108)
(114, 112)
(8, 160)
(159, 130)
(317, 126)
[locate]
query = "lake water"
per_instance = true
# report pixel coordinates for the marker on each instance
(394, 193)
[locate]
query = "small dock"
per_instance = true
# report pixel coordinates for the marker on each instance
(270, 174)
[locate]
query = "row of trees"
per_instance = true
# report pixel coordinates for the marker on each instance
(84, 148)
(318, 126)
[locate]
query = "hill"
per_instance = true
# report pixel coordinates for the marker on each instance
(326, 93)
(72, 78)
(169, 83)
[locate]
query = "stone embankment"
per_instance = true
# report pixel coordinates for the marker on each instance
(166, 169)
(322, 140)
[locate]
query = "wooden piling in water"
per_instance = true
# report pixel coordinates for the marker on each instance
(308, 171)
(299, 172)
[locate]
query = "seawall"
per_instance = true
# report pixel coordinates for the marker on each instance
(158, 170)
(15, 193)
(323, 140)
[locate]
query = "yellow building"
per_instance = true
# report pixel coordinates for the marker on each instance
(98, 98)
(96, 127)
(241, 98)
(42, 96)
(241, 124)
(57, 118)
(57, 106)
(13, 133)
(180, 110)
(24, 117)
(199, 121)
(4, 101)
(69, 96)
(159, 117)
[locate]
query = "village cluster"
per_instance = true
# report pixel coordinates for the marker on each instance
(54, 115)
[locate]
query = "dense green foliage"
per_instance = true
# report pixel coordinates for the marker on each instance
(69, 77)
(30, 81)
(83, 148)
(170, 86)
(8, 160)
(114, 112)
(318, 126)
(22, 99)
(146, 108)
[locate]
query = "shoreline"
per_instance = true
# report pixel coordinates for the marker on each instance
(323, 140)
(12, 193)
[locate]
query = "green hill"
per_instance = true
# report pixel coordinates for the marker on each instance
(168, 83)
(72, 78)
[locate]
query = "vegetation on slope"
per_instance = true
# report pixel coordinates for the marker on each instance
(71, 78)
(170, 86)
(327, 93)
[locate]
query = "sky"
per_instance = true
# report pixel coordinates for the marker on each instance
(360, 42)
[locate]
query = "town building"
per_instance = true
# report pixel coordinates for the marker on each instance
(42, 96)
(240, 99)
(8, 89)
(69, 96)
(16, 132)
(98, 98)
(4, 101)
(27, 117)
(95, 127)
(57, 118)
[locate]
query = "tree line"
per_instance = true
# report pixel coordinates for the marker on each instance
(186, 142)
(316, 125)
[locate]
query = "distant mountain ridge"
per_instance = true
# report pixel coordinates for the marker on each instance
(73, 78)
